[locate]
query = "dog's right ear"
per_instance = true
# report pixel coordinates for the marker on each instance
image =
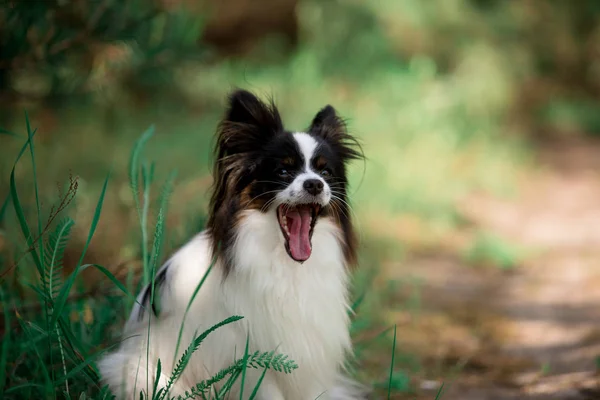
(248, 122)
(246, 108)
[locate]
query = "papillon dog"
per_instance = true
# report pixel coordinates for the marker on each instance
(278, 247)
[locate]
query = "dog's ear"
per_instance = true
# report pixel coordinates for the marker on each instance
(326, 118)
(330, 127)
(248, 123)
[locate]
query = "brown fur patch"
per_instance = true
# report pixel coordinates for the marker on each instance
(250, 202)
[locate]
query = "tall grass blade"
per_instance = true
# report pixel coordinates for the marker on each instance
(440, 391)
(8, 133)
(20, 213)
(226, 388)
(156, 379)
(64, 293)
(30, 134)
(389, 393)
(156, 246)
(244, 367)
(257, 386)
(28, 385)
(147, 181)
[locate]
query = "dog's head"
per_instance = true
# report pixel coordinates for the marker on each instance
(298, 177)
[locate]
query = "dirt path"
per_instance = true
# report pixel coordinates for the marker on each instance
(533, 333)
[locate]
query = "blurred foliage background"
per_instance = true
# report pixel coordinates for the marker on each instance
(451, 99)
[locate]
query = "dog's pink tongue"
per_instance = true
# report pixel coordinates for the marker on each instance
(299, 233)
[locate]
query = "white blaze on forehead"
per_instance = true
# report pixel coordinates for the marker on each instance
(295, 193)
(307, 145)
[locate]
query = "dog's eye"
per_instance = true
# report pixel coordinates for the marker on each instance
(283, 173)
(325, 172)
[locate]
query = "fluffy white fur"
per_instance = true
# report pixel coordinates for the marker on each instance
(300, 310)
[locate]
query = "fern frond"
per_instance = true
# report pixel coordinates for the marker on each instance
(267, 360)
(54, 251)
(52, 279)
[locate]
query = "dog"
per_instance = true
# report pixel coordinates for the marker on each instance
(277, 250)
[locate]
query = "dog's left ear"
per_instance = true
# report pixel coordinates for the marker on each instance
(247, 109)
(330, 127)
(248, 123)
(326, 122)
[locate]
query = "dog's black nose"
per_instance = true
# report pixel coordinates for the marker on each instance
(313, 186)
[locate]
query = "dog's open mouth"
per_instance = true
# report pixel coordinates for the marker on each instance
(297, 223)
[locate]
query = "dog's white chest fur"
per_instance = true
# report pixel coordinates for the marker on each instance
(300, 310)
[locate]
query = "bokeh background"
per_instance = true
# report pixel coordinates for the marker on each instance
(478, 205)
